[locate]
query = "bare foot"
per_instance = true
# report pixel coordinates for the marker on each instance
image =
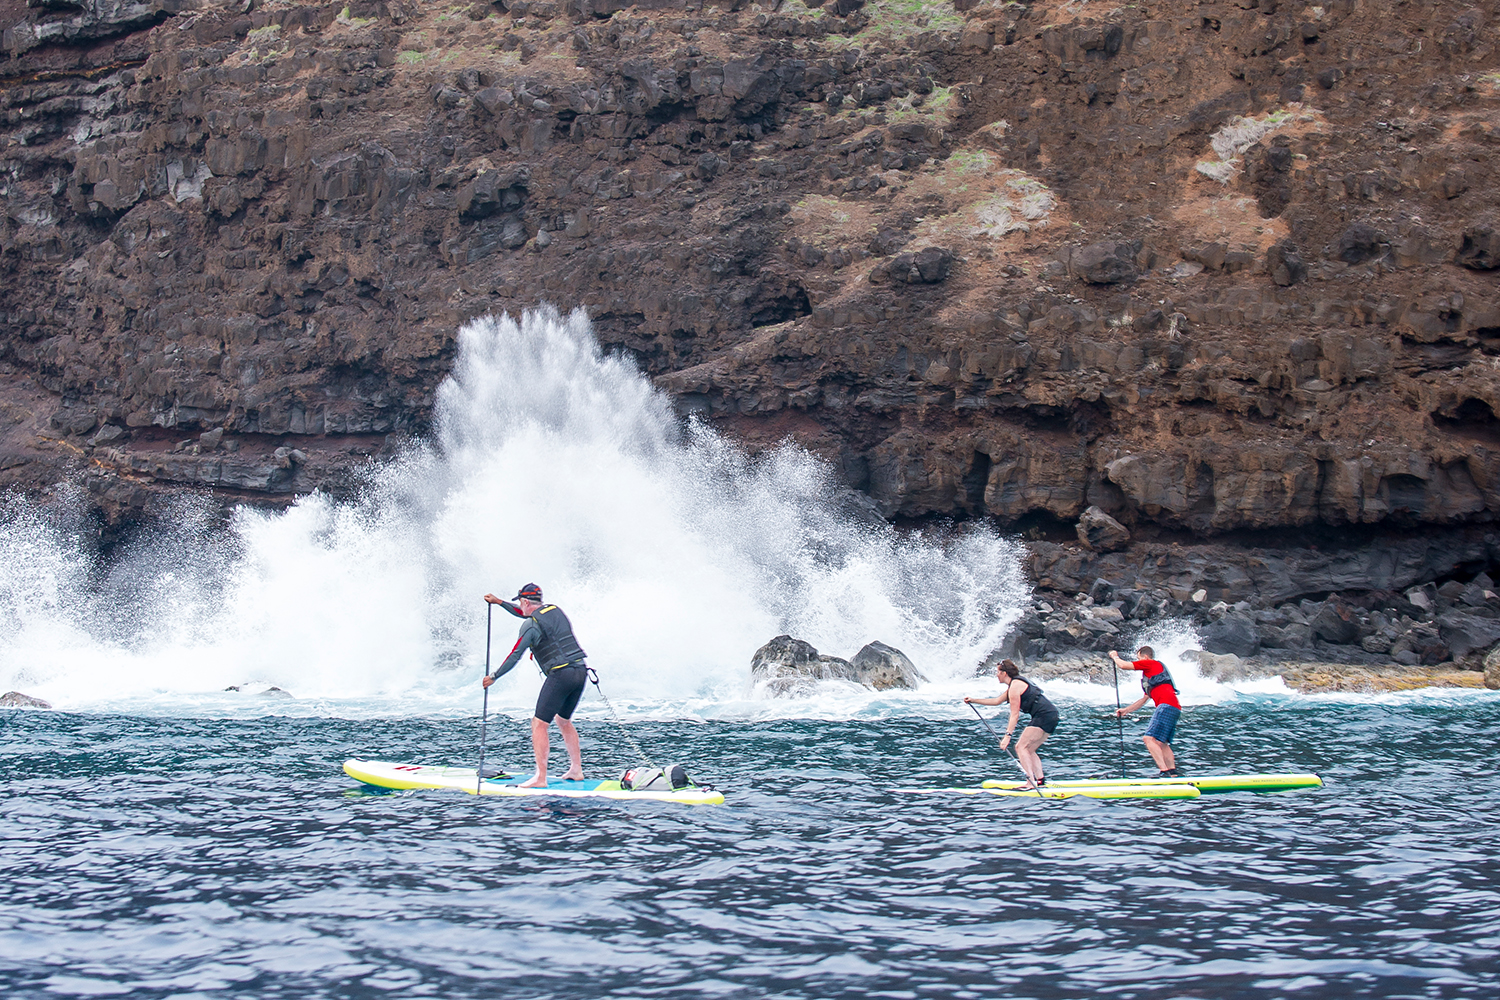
(537, 781)
(573, 776)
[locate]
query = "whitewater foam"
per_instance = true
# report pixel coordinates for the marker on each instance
(676, 555)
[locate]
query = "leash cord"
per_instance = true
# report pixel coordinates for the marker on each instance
(640, 753)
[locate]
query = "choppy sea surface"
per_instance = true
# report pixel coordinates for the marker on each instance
(157, 856)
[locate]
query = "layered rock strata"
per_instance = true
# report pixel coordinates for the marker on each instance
(1208, 268)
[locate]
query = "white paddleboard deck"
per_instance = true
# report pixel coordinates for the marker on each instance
(386, 774)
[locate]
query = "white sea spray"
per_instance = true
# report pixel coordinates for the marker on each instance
(675, 554)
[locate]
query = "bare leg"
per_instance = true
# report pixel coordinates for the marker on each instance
(540, 745)
(575, 753)
(1160, 752)
(1031, 738)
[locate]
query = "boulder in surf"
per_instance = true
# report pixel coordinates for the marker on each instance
(787, 666)
(15, 699)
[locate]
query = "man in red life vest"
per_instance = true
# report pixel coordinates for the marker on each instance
(1158, 687)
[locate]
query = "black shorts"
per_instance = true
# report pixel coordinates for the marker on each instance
(561, 691)
(1045, 721)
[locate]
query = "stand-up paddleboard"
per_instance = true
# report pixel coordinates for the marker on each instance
(1208, 783)
(1051, 791)
(383, 774)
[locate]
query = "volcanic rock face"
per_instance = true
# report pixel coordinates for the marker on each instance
(1208, 270)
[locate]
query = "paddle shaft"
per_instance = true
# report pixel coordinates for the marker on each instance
(1119, 719)
(1029, 783)
(484, 722)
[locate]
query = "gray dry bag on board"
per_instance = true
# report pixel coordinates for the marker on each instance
(669, 779)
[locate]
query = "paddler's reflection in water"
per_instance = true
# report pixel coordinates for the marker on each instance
(1023, 696)
(548, 635)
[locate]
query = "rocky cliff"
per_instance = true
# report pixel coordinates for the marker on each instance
(1224, 270)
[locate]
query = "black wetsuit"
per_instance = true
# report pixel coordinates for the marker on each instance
(548, 634)
(1043, 713)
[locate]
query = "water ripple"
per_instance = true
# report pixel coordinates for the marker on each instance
(230, 858)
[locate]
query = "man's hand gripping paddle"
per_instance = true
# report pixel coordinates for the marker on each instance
(1029, 783)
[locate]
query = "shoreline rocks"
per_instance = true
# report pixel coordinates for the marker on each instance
(787, 666)
(1301, 677)
(1423, 625)
(15, 699)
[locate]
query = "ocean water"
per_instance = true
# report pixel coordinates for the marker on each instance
(164, 856)
(164, 836)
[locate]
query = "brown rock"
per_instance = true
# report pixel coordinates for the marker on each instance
(1481, 248)
(15, 699)
(928, 266)
(274, 222)
(1100, 532)
(1108, 263)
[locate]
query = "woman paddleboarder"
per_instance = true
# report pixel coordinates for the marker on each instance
(1023, 696)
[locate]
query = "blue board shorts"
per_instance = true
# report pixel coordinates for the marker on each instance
(1163, 723)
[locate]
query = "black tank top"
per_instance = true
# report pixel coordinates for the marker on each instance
(1033, 702)
(558, 648)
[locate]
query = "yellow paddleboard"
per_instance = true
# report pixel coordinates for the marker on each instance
(1207, 783)
(1049, 791)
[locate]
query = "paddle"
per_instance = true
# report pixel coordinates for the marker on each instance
(1029, 783)
(1119, 719)
(489, 617)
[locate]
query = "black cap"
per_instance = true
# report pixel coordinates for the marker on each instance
(531, 592)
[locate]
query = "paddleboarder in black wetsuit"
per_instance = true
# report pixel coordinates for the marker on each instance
(548, 634)
(1024, 696)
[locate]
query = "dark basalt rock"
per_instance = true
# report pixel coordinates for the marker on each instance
(1108, 263)
(1286, 266)
(1335, 623)
(1466, 633)
(787, 666)
(1100, 532)
(925, 267)
(884, 667)
(1359, 243)
(1480, 250)
(1234, 633)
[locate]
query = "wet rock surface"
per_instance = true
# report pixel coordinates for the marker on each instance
(1309, 677)
(15, 699)
(786, 666)
(883, 667)
(1210, 273)
(1452, 627)
(1100, 532)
